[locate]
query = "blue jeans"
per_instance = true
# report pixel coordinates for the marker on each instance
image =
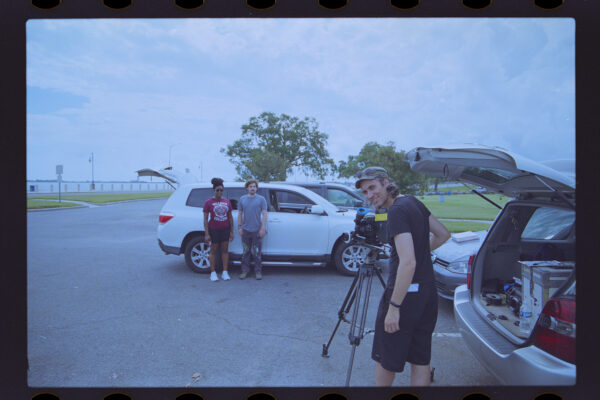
(252, 243)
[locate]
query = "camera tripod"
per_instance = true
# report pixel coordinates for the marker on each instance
(355, 293)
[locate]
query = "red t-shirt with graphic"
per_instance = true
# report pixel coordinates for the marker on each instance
(218, 210)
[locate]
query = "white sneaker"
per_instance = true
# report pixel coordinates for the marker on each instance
(225, 276)
(213, 276)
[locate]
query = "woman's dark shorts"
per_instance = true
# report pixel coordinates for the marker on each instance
(219, 235)
(412, 343)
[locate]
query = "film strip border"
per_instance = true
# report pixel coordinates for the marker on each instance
(268, 396)
(197, 8)
(327, 4)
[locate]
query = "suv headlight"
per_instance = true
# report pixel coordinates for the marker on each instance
(460, 265)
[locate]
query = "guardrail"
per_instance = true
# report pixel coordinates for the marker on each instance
(98, 187)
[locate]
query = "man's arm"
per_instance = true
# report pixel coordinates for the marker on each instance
(406, 270)
(240, 230)
(439, 233)
(263, 226)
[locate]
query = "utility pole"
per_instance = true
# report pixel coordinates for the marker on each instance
(92, 161)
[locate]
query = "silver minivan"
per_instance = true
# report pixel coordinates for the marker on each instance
(517, 310)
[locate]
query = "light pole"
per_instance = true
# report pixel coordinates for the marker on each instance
(92, 161)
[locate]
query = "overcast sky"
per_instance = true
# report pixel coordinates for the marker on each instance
(130, 90)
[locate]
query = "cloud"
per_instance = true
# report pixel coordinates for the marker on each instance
(151, 83)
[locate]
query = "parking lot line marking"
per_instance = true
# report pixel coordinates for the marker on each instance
(440, 334)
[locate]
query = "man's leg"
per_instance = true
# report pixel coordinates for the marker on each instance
(383, 377)
(420, 375)
(247, 245)
(257, 250)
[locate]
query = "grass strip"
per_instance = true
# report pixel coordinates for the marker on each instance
(35, 203)
(463, 226)
(107, 197)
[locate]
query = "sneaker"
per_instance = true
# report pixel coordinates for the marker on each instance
(225, 276)
(243, 275)
(213, 276)
(258, 276)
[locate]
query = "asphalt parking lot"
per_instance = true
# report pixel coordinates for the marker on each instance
(106, 308)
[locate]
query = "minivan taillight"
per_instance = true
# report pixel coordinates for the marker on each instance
(555, 329)
(164, 218)
(469, 270)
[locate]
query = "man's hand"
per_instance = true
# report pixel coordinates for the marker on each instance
(392, 320)
(262, 232)
(241, 231)
(231, 235)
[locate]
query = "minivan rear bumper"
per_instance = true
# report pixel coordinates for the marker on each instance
(510, 364)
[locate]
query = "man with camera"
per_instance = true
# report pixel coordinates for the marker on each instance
(407, 312)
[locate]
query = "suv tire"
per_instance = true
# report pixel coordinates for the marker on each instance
(197, 253)
(347, 257)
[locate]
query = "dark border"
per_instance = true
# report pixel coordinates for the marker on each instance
(13, 17)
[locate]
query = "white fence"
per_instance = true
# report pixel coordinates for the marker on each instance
(97, 187)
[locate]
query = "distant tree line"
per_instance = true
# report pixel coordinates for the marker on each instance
(272, 145)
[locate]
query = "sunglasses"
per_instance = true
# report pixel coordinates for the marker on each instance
(371, 171)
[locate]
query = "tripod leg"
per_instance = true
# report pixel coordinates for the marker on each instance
(350, 296)
(355, 339)
(380, 277)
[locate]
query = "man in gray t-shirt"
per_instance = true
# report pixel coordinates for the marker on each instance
(252, 221)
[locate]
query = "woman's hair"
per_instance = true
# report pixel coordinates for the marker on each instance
(392, 189)
(216, 182)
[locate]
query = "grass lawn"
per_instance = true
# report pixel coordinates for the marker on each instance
(106, 197)
(35, 203)
(463, 226)
(464, 206)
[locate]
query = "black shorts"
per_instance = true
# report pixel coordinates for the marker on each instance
(412, 343)
(219, 235)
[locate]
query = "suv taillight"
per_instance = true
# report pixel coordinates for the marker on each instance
(164, 218)
(555, 329)
(469, 270)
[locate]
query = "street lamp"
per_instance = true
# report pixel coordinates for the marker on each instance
(92, 161)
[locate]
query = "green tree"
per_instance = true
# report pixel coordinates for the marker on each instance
(387, 157)
(271, 145)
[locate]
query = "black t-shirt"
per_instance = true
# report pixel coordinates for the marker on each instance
(408, 214)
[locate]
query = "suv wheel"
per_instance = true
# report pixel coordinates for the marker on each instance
(348, 257)
(197, 255)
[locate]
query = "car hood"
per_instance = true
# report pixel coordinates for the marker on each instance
(453, 250)
(494, 168)
(170, 175)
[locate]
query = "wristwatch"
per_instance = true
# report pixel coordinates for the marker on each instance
(394, 304)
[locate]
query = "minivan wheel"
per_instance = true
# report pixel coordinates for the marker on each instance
(348, 257)
(197, 255)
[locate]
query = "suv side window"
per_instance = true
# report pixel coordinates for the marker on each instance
(549, 224)
(291, 202)
(341, 198)
(198, 197)
(233, 195)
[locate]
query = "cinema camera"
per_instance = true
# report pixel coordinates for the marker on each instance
(369, 229)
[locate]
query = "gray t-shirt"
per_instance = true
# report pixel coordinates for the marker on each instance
(252, 208)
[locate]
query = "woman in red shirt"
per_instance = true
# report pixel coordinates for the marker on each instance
(218, 231)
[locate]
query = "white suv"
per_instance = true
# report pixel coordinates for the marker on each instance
(303, 229)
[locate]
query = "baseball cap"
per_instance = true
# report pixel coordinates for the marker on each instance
(370, 173)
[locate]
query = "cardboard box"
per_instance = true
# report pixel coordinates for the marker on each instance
(541, 279)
